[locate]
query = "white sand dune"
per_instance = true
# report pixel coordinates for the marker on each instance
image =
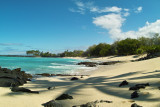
(101, 85)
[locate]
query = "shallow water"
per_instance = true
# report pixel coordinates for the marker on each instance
(35, 65)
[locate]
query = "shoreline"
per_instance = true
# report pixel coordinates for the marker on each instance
(102, 84)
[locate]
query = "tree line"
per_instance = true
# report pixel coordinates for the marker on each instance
(122, 47)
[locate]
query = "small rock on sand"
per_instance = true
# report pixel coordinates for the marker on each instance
(134, 94)
(64, 97)
(52, 103)
(135, 105)
(123, 83)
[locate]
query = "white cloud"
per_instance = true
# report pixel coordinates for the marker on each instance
(126, 10)
(113, 23)
(79, 4)
(126, 14)
(94, 9)
(149, 28)
(112, 9)
(81, 8)
(89, 6)
(106, 21)
(106, 9)
(139, 9)
(114, 20)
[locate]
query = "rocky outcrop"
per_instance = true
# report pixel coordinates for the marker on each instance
(94, 64)
(45, 74)
(88, 64)
(14, 77)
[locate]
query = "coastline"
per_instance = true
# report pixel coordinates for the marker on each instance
(102, 84)
(110, 58)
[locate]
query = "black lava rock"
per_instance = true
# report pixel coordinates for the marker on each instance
(134, 94)
(14, 77)
(123, 83)
(135, 105)
(64, 97)
(74, 78)
(136, 87)
(52, 103)
(146, 84)
(21, 89)
(88, 64)
(139, 86)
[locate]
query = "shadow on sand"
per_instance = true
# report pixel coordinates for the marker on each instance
(106, 85)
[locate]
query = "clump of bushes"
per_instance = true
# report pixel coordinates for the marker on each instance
(123, 47)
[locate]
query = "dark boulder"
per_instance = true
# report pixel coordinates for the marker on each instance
(21, 89)
(7, 81)
(88, 64)
(136, 87)
(146, 84)
(74, 78)
(64, 97)
(91, 65)
(123, 83)
(44, 74)
(135, 105)
(89, 104)
(17, 69)
(139, 86)
(16, 77)
(134, 94)
(52, 103)
(4, 69)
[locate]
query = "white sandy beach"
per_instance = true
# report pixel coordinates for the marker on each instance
(102, 84)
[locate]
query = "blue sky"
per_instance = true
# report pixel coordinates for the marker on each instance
(58, 25)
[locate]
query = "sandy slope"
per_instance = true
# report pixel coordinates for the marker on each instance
(101, 85)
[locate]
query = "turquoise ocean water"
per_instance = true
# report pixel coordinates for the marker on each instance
(35, 65)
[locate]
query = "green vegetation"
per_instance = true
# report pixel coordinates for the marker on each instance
(33, 52)
(124, 47)
(128, 46)
(75, 53)
(99, 50)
